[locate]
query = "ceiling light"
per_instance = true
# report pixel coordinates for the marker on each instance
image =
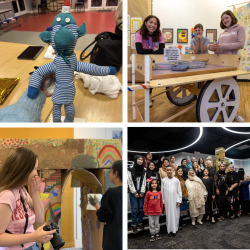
(201, 132)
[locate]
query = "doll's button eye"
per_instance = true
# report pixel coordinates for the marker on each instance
(67, 20)
(58, 19)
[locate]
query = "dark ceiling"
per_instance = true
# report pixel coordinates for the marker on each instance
(157, 139)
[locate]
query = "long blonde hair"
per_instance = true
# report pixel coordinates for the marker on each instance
(16, 169)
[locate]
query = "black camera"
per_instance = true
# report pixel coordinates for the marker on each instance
(57, 241)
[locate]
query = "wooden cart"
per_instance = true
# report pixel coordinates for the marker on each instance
(214, 87)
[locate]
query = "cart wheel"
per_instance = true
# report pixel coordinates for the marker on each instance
(218, 101)
(181, 96)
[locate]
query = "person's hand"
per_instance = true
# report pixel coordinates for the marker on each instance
(141, 195)
(97, 206)
(48, 84)
(200, 37)
(229, 189)
(213, 196)
(213, 47)
(148, 180)
(217, 191)
(197, 39)
(178, 204)
(41, 236)
(35, 184)
(146, 214)
(136, 196)
(226, 192)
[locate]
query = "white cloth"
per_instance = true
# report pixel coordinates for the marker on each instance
(107, 85)
(171, 194)
(50, 53)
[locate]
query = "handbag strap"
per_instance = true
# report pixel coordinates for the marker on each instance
(90, 53)
(26, 217)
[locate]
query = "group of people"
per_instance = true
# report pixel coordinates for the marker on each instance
(150, 40)
(193, 188)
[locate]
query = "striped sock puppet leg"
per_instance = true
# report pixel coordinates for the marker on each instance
(57, 112)
(69, 112)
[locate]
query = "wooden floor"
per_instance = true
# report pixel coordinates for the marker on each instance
(163, 108)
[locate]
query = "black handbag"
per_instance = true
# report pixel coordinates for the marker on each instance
(215, 211)
(107, 50)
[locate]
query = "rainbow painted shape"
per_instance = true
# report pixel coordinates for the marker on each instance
(108, 155)
(56, 209)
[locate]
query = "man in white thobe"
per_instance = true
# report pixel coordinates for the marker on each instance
(172, 198)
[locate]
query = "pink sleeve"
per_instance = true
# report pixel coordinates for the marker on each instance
(162, 39)
(138, 37)
(239, 44)
(7, 197)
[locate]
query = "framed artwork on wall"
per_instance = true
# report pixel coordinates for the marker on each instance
(212, 35)
(168, 35)
(182, 35)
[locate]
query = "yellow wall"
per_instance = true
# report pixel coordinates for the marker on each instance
(67, 206)
(37, 133)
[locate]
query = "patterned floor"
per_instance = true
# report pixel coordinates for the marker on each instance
(229, 234)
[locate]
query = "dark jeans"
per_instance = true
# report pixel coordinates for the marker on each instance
(136, 209)
(33, 247)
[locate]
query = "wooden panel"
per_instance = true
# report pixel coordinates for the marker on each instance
(192, 89)
(165, 74)
(194, 78)
(138, 8)
(140, 64)
(224, 60)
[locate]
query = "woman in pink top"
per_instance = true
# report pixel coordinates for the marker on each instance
(149, 39)
(20, 169)
(230, 41)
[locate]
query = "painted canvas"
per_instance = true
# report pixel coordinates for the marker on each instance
(66, 153)
(111, 2)
(168, 35)
(212, 35)
(182, 35)
(133, 41)
(96, 3)
(136, 23)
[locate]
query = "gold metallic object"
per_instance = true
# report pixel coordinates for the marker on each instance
(220, 155)
(6, 85)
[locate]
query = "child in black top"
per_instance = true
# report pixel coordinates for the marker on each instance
(111, 210)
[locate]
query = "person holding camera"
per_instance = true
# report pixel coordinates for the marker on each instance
(19, 210)
(110, 211)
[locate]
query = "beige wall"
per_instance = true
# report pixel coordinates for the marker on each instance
(138, 8)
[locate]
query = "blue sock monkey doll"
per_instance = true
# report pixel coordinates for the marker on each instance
(63, 38)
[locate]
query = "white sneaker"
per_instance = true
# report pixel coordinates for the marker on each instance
(152, 99)
(238, 118)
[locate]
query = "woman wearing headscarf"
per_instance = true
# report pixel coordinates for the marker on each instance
(151, 173)
(197, 194)
(183, 207)
(232, 183)
(163, 170)
(147, 158)
(189, 163)
(221, 191)
(160, 162)
(244, 190)
(137, 189)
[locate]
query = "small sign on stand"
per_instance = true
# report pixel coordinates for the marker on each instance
(172, 54)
